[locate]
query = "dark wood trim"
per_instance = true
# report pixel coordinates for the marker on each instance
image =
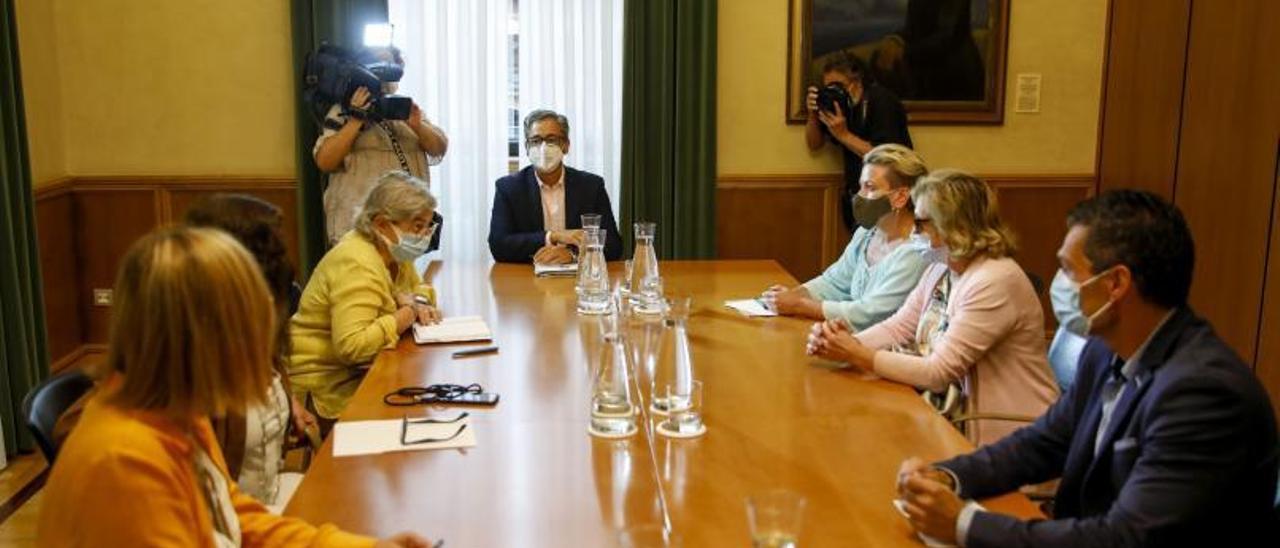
(1102, 97)
(162, 182)
(53, 188)
(65, 362)
(817, 180)
(9, 507)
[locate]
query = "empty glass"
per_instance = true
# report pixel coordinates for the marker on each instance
(593, 275)
(646, 282)
(775, 518)
(613, 413)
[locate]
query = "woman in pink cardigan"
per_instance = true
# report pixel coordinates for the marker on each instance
(973, 320)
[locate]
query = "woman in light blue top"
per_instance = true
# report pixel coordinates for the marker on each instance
(883, 261)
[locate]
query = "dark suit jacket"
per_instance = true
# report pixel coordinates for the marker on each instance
(515, 228)
(1190, 458)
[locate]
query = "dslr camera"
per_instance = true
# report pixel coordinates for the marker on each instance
(834, 94)
(331, 74)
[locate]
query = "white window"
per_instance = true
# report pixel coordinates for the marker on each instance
(476, 67)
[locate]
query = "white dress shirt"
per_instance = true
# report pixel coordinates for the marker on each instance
(552, 204)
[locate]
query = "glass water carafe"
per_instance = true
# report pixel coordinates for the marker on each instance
(674, 364)
(646, 282)
(593, 275)
(613, 410)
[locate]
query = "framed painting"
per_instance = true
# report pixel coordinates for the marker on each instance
(944, 58)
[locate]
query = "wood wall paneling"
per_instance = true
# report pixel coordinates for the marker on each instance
(789, 218)
(56, 242)
(1036, 207)
(85, 225)
(1226, 161)
(106, 222)
(285, 198)
(1142, 96)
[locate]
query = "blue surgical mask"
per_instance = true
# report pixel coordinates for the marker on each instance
(1064, 294)
(1066, 288)
(409, 246)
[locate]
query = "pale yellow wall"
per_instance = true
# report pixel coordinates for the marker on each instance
(1063, 41)
(168, 87)
(42, 96)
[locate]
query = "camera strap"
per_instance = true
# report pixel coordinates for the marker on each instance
(395, 145)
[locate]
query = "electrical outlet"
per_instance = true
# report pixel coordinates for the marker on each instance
(102, 297)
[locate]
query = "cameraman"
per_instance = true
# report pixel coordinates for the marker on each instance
(355, 150)
(868, 116)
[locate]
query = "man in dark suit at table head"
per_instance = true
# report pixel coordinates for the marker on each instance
(1169, 440)
(537, 213)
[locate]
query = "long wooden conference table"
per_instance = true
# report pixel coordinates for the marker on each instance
(776, 419)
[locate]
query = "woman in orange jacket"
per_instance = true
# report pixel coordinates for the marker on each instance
(191, 337)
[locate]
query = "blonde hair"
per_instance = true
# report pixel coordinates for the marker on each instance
(964, 210)
(905, 166)
(399, 196)
(192, 332)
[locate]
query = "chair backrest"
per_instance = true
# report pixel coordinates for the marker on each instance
(47, 402)
(1064, 356)
(295, 297)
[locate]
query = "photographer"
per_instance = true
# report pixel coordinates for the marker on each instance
(857, 115)
(355, 150)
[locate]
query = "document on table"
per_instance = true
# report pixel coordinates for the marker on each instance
(751, 308)
(455, 329)
(375, 437)
(555, 270)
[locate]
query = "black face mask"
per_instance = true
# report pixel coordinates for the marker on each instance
(868, 211)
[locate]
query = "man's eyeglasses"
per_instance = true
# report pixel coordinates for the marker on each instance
(404, 429)
(538, 140)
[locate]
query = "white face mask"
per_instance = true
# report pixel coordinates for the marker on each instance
(546, 157)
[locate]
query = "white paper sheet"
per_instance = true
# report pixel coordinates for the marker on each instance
(750, 308)
(454, 329)
(555, 270)
(375, 437)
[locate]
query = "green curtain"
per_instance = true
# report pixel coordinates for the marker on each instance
(669, 124)
(23, 356)
(338, 22)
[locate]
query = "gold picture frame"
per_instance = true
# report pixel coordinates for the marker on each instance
(940, 89)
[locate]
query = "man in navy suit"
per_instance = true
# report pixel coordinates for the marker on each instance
(537, 213)
(1169, 440)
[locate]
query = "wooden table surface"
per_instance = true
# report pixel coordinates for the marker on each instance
(776, 419)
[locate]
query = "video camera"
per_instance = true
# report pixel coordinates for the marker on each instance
(332, 74)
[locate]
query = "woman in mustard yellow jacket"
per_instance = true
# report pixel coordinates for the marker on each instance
(362, 295)
(191, 338)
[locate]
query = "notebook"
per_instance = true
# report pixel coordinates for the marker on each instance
(352, 438)
(555, 270)
(455, 329)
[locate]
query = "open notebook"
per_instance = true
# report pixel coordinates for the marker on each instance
(456, 329)
(555, 270)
